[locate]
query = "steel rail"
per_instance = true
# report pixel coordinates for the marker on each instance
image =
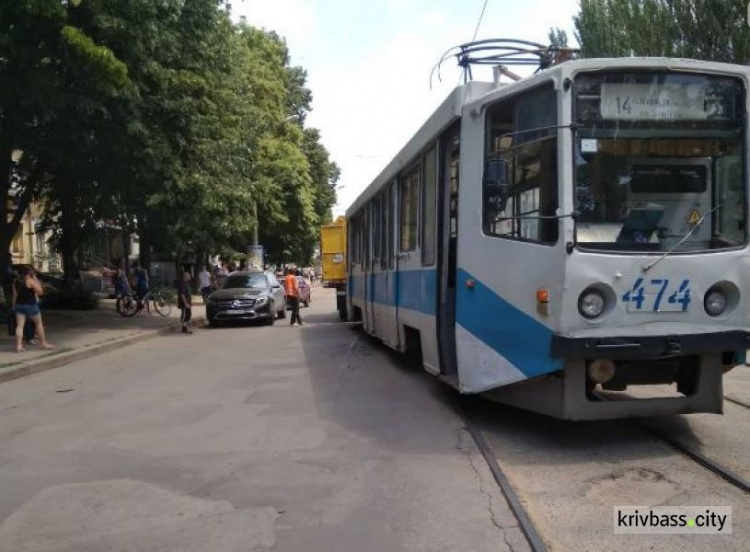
(725, 473)
(736, 401)
(527, 527)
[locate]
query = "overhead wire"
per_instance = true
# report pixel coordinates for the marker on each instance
(467, 70)
(481, 15)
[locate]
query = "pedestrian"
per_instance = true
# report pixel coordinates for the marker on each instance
(26, 291)
(28, 329)
(223, 273)
(122, 288)
(291, 286)
(141, 283)
(204, 282)
(185, 302)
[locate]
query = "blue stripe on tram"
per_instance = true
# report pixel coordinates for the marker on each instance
(510, 332)
(416, 289)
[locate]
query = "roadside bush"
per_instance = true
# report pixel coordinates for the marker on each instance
(70, 299)
(169, 294)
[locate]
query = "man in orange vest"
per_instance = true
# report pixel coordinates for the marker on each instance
(291, 285)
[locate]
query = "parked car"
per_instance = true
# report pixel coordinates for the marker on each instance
(248, 295)
(305, 297)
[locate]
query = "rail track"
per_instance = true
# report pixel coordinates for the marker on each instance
(722, 471)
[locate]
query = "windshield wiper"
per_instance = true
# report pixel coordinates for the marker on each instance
(683, 240)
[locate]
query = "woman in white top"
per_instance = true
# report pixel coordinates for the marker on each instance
(204, 281)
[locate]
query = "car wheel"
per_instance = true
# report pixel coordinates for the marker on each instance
(282, 313)
(307, 303)
(213, 323)
(271, 318)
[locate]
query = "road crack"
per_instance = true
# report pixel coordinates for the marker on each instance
(347, 366)
(463, 444)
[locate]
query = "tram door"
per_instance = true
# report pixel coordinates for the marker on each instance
(377, 275)
(448, 249)
(389, 283)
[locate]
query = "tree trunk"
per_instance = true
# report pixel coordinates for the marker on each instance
(68, 244)
(70, 265)
(145, 253)
(126, 250)
(7, 228)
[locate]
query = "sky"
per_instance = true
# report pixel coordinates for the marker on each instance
(369, 61)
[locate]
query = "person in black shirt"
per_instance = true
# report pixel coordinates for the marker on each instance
(185, 302)
(26, 289)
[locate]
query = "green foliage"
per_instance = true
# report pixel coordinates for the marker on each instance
(558, 37)
(164, 117)
(714, 30)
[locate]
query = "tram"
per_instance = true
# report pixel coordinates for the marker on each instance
(561, 242)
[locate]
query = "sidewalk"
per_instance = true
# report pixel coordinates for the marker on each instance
(81, 334)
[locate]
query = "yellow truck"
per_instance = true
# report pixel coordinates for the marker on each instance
(333, 253)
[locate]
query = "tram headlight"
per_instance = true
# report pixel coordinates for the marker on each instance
(591, 303)
(715, 302)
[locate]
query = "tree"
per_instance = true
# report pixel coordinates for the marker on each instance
(714, 30)
(54, 81)
(558, 38)
(161, 116)
(325, 174)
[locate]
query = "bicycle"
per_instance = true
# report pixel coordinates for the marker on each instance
(129, 304)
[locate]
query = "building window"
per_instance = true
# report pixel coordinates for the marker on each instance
(17, 244)
(409, 206)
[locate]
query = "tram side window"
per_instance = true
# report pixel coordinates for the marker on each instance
(428, 208)
(392, 194)
(354, 240)
(520, 131)
(409, 203)
(366, 236)
(384, 249)
(375, 226)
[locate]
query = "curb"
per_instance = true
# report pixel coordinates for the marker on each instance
(56, 360)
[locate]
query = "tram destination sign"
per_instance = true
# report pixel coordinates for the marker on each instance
(633, 102)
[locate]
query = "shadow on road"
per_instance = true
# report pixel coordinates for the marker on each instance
(362, 384)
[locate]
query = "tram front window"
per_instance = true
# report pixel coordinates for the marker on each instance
(659, 162)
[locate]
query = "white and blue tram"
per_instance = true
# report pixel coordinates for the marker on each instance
(568, 237)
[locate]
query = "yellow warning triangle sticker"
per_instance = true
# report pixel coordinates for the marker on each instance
(695, 216)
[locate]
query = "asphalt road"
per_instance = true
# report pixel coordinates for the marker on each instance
(244, 439)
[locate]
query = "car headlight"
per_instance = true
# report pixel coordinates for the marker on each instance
(260, 301)
(715, 302)
(591, 303)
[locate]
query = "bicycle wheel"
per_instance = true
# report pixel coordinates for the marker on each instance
(161, 305)
(127, 306)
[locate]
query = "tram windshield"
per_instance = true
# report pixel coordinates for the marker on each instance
(659, 161)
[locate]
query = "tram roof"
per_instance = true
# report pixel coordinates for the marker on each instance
(478, 92)
(448, 112)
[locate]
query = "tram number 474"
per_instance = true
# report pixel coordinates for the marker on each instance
(657, 296)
